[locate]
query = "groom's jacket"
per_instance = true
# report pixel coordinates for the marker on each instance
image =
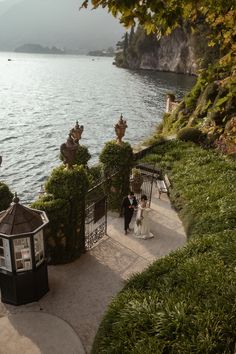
(126, 205)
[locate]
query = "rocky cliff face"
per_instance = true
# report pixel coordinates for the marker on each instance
(175, 53)
(172, 53)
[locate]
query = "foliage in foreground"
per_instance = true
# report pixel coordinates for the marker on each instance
(185, 302)
(211, 104)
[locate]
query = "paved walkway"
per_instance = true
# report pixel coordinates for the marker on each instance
(66, 319)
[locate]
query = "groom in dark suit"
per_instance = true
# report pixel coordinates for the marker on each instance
(129, 203)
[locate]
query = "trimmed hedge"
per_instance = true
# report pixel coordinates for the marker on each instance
(117, 158)
(64, 204)
(185, 302)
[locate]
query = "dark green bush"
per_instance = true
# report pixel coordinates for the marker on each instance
(190, 134)
(5, 196)
(117, 158)
(64, 204)
(65, 183)
(82, 155)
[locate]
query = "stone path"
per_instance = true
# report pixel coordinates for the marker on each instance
(66, 319)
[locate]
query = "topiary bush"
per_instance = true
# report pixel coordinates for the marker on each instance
(67, 183)
(82, 156)
(64, 204)
(117, 158)
(190, 134)
(5, 196)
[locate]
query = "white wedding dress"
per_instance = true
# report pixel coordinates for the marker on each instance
(142, 223)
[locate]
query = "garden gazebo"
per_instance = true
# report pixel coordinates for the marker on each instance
(23, 266)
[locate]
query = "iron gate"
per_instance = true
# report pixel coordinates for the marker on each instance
(150, 174)
(96, 212)
(95, 221)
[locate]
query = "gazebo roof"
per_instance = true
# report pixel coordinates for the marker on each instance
(18, 219)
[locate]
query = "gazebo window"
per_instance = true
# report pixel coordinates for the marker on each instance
(39, 247)
(2, 255)
(5, 260)
(23, 259)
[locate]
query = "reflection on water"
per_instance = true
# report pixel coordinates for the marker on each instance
(43, 95)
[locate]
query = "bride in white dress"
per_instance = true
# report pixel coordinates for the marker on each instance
(142, 222)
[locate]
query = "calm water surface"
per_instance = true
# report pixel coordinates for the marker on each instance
(43, 95)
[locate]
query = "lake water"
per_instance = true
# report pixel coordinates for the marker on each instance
(42, 96)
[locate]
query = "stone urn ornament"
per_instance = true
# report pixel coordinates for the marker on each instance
(136, 180)
(76, 132)
(68, 151)
(120, 129)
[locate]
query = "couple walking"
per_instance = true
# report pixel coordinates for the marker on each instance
(142, 222)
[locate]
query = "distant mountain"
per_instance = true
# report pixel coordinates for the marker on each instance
(56, 23)
(37, 48)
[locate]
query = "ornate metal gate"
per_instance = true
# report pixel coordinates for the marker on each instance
(95, 221)
(150, 174)
(96, 213)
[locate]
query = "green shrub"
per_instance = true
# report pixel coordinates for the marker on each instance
(64, 204)
(190, 134)
(5, 196)
(82, 155)
(117, 158)
(64, 183)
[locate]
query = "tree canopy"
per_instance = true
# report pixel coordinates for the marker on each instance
(162, 16)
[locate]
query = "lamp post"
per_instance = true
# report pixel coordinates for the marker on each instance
(23, 266)
(120, 129)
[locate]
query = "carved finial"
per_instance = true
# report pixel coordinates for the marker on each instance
(68, 151)
(77, 131)
(15, 199)
(120, 128)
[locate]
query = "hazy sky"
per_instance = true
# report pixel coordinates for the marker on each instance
(56, 22)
